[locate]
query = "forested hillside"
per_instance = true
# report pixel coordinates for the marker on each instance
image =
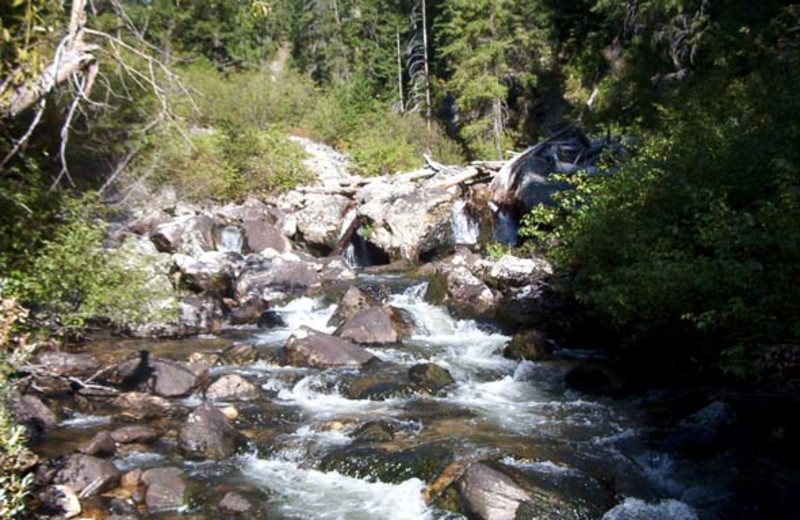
(674, 252)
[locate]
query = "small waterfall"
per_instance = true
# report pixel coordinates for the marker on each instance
(231, 239)
(349, 256)
(507, 229)
(465, 229)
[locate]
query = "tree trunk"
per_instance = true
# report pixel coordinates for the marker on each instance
(425, 60)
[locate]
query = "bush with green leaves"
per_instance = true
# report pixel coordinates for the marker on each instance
(75, 279)
(16, 460)
(698, 233)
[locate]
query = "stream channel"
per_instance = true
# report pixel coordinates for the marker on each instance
(305, 461)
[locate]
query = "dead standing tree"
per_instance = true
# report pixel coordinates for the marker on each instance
(76, 64)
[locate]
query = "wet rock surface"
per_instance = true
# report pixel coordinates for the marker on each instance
(314, 349)
(87, 475)
(207, 433)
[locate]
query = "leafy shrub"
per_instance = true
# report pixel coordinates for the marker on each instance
(230, 162)
(15, 459)
(74, 278)
(698, 232)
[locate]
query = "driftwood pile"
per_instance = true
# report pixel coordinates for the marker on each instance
(511, 182)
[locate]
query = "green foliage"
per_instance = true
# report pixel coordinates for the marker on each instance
(698, 232)
(16, 476)
(74, 278)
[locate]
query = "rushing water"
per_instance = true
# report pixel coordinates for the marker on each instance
(465, 228)
(498, 407)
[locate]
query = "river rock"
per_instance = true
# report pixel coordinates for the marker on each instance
(406, 221)
(375, 326)
(319, 220)
(134, 434)
(375, 431)
(208, 434)
(378, 387)
(635, 509)
(270, 319)
(232, 387)
(163, 377)
(139, 406)
(310, 348)
(431, 377)
(513, 271)
(68, 364)
(528, 345)
(82, 471)
(212, 271)
(61, 499)
(187, 234)
(422, 462)
(593, 378)
(166, 488)
(101, 445)
(241, 354)
(355, 300)
(494, 491)
(32, 413)
(698, 435)
(234, 504)
(461, 291)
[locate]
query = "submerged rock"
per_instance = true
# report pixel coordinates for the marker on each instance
(234, 504)
(241, 354)
(166, 488)
(88, 475)
(208, 434)
(310, 348)
(376, 326)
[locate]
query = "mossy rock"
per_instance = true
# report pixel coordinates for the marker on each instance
(430, 377)
(437, 292)
(375, 431)
(423, 462)
(528, 345)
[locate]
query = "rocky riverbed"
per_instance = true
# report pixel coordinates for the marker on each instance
(350, 356)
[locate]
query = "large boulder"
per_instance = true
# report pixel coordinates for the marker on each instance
(88, 475)
(187, 234)
(162, 377)
(355, 300)
(212, 271)
(493, 491)
(376, 326)
(208, 434)
(319, 220)
(260, 226)
(636, 509)
(462, 291)
(232, 387)
(166, 489)
(68, 364)
(406, 221)
(32, 413)
(310, 348)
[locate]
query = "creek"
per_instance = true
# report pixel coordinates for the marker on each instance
(302, 460)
